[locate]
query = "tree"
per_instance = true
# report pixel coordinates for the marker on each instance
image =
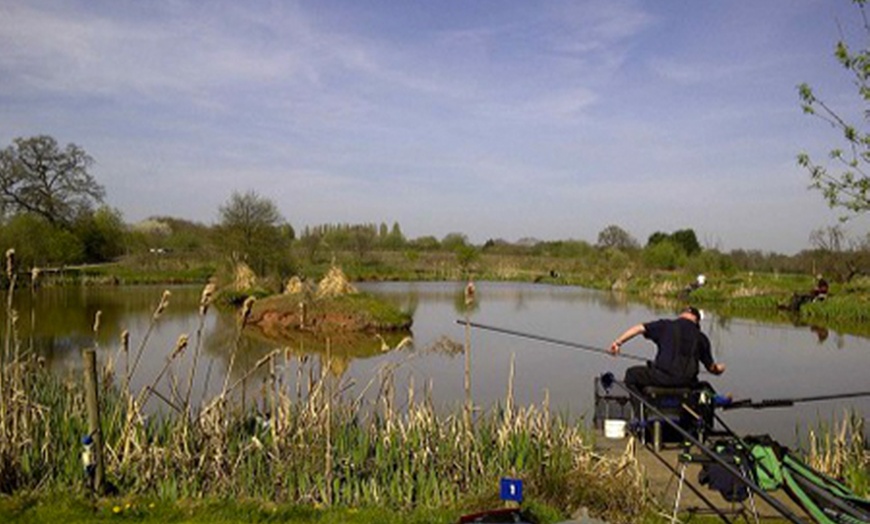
(848, 189)
(684, 239)
(36, 176)
(664, 255)
(453, 241)
(687, 239)
(38, 243)
(251, 226)
(657, 237)
(101, 234)
(616, 237)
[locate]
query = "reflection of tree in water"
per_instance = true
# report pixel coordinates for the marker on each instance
(57, 322)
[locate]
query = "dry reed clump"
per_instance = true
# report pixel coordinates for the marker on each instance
(747, 291)
(666, 288)
(841, 452)
(243, 277)
(334, 284)
(296, 285)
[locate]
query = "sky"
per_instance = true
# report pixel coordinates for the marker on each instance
(498, 119)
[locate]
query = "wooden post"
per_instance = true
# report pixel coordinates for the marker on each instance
(92, 402)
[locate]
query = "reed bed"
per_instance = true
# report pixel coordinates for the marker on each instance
(301, 441)
(841, 450)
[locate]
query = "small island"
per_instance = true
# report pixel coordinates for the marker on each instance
(335, 306)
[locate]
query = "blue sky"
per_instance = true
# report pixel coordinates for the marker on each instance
(498, 119)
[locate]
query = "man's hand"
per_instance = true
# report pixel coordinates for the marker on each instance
(717, 368)
(614, 348)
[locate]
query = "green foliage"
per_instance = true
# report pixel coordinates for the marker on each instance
(425, 243)
(685, 239)
(38, 243)
(664, 254)
(711, 261)
(101, 233)
(849, 188)
(465, 256)
(452, 241)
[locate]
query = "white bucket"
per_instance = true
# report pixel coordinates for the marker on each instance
(614, 428)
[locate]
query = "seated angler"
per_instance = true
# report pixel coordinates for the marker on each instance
(681, 346)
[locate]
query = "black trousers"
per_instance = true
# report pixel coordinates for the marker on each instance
(639, 377)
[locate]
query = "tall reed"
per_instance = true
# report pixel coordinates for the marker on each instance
(299, 441)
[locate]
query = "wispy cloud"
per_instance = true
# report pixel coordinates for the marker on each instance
(554, 114)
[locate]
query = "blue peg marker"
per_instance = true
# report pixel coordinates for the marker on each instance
(511, 489)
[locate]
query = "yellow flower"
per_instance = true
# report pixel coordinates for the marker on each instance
(116, 509)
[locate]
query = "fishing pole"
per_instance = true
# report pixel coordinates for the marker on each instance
(549, 340)
(788, 402)
(608, 380)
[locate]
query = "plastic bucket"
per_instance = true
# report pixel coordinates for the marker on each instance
(614, 428)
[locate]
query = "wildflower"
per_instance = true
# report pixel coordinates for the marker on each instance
(116, 510)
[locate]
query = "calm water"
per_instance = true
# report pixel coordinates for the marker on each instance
(764, 360)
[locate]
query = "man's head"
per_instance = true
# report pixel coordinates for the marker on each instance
(691, 313)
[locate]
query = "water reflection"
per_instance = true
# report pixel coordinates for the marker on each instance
(764, 360)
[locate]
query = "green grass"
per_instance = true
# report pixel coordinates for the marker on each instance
(69, 510)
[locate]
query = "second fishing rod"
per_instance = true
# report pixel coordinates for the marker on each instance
(549, 340)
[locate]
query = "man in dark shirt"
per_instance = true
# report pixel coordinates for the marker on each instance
(681, 347)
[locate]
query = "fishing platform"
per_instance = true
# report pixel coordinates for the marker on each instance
(689, 448)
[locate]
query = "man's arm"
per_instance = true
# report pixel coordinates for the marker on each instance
(629, 334)
(716, 368)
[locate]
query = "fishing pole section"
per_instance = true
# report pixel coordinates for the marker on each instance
(549, 340)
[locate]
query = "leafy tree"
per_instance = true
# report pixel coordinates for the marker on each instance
(664, 255)
(687, 239)
(394, 239)
(466, 255)
(425, 243)
(101, 234)
(37, 176)
(656, 237)
(38, 243)
(616, 237)
(362, 238)
(453, 241)
(251, 227)
(849, 188)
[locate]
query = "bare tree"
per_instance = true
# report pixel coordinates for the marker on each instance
(36, 176)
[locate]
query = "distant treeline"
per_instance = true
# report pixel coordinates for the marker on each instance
(53, 215)
(102, 236)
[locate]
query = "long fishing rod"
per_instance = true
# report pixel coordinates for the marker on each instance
(788, 402)
(608, 380)
(548, 339)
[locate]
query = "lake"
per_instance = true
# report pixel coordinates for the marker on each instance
(765, 361)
